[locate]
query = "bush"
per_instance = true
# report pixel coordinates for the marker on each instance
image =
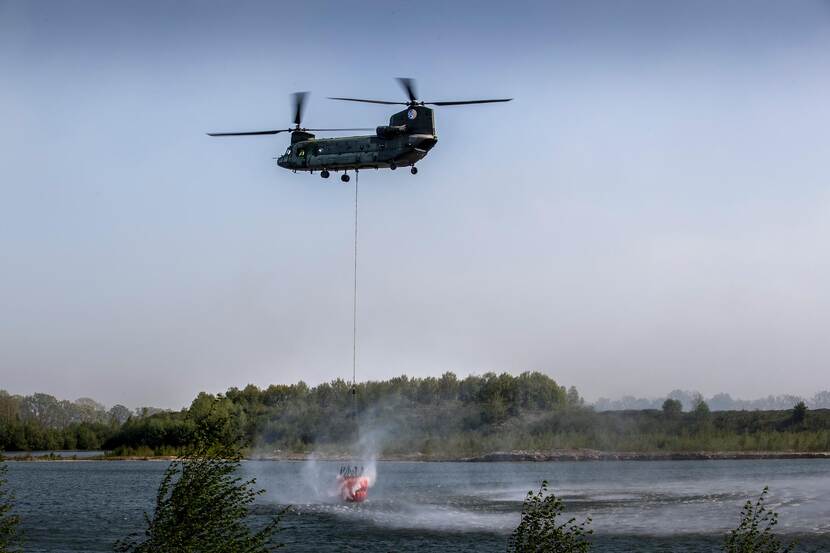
(201, 505)
(754, 534)
(672, 407)
(799, 412)
(8, 521)
(540, 532)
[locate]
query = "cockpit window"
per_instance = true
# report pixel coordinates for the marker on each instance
(301, 152)
(288, 151)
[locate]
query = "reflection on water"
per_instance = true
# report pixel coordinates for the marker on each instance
(642, 506)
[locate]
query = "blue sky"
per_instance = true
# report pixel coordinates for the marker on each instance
(650, 212)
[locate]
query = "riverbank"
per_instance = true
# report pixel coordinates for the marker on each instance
(20, 458)
(561, 455)
(492, 457)
(593, 455)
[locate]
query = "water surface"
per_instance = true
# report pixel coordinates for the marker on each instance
(681, 506)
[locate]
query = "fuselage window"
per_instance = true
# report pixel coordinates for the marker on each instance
(301, 152)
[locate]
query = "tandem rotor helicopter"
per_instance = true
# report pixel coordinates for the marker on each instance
(407, 139)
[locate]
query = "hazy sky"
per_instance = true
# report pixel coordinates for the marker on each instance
(651, 212)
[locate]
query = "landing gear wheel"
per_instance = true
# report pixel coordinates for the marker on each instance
(345, 178)
(324, 174)
(393, 166)
(413, 170)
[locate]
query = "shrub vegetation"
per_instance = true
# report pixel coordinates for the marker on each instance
(9, 522)
(202, 505)
(540, 529)
(754, 533)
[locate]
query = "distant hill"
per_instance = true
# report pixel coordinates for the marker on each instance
(718, 402)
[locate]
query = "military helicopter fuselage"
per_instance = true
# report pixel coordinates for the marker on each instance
(407, 139)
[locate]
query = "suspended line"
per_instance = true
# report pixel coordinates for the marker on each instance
(354, 303)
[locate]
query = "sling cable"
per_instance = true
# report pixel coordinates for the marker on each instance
(354, 486)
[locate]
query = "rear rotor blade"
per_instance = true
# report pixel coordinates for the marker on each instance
(409, 86)
(245, 133)
(299, 99)
(465, 102)
(371, 101)
(336, 130)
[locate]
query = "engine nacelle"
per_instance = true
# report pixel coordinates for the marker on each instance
(386, 131)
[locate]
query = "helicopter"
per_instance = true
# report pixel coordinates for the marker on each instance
(407, 139)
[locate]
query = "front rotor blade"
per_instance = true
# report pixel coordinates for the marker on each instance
(371, 101)
(409, 86)
(299, 106)
(464, 102)
(245, 133)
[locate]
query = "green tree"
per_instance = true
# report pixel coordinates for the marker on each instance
(448, 386)
(202, 505)
(9, 541)
(701, 408)
(573, 397)
(540, 532)
(799, 412)
(754, 533)
(218, 417)
(672, 407)
(118, 414)
(9, 405)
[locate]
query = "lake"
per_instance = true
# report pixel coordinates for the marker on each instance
(641, 506)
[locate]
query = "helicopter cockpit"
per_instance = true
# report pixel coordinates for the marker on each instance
(282, 161)
(295, 156)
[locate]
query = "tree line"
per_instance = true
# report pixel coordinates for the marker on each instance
(448, 417)
(717, 402)
(443, 417)
(299, 418)
(43, 422)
